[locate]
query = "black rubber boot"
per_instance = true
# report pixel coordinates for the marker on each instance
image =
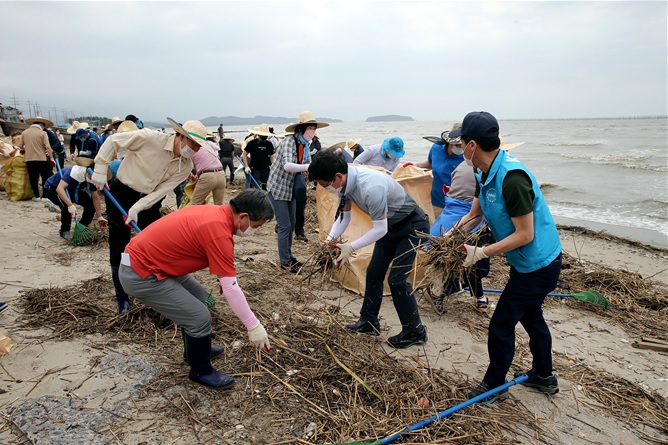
(121, 297)
(201, 371)
(215, 350)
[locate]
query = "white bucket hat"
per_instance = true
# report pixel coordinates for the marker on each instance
(193, 130)
(306, 117)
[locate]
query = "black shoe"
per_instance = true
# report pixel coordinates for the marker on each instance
(293, 266)
(483, 388)
(3, 306)
(365, 327)
(301, 237)
(404, 339)
(548, 385)
(198, 351)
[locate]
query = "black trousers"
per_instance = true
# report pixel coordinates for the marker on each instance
(521, 301)
(119, 233)
(36, 170)
(396, 248)
(82, 199)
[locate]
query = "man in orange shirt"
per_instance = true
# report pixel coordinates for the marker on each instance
(157, 263)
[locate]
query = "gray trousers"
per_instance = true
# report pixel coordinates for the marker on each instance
(181, 299)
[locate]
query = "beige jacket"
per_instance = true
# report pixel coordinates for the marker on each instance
(35, 142)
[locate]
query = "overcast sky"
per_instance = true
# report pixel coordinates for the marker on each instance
(431, 60)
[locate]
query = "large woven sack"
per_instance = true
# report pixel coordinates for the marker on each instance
(188, 191)
(352, 276)
(17, 184)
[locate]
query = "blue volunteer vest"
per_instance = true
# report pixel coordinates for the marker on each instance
(546, 245)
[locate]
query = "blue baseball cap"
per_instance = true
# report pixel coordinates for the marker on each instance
(80, 132)
(477, 124)
(394, 147)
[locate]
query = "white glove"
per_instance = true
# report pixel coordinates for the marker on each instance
(73, 211)
(247, 170)
(132, 217)
(346, 252)
(101, 222)
(99, 180)
(258, 336)
(473, 255)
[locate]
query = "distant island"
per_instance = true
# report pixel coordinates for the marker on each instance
(214, 121)
(389, 118)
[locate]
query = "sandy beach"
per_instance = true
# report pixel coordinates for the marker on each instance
(111, 386)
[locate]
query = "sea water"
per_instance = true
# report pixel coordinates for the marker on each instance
(601, 174)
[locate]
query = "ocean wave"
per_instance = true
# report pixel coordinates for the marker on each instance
(575, 144)
(626, 161)
(650, 222)
(548, 186)
(654, 168)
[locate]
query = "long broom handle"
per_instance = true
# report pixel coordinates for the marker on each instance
(455, 408)
(251, 176)
(107, 192)
(499, 291)
(61, 177)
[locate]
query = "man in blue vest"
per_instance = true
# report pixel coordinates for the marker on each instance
(509, 198)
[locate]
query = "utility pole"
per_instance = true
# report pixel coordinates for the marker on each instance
(36, 108)
(29, 107)
(55, 114)
(15, 101)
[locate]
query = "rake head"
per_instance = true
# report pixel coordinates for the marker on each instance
(82, 235)
(592, 297)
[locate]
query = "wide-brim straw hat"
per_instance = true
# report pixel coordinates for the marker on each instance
(76, 125)
(193, 130)
(39, 119)
(127, 126)
(306, 117)
(261, 130)
(350, 143)
(227, 137)
(116, 120)
(340, 145)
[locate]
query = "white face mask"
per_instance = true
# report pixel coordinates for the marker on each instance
(457, 151)
(330, 189)
(469, 162)
(187, 152)
(248, 232)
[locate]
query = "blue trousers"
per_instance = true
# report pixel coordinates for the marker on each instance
(396, 248)
(521, 301)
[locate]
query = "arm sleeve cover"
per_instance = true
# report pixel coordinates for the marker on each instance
(295, 168)
(339, 226)
(377, 232)
(237, 301)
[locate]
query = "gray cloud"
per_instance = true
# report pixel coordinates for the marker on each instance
(349, 60)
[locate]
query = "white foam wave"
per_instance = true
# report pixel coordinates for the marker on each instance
(610, 217)
(592, 143)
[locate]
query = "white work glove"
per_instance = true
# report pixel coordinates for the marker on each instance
(247, 170)
(132, 217)
(473, 255)
(73, 211)
(258, 336)
(101, 222)
(346, 252)
(99, 180)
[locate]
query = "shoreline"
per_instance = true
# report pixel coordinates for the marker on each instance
(647, 237)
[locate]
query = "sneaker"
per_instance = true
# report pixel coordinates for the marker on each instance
(483, 388)
(482, 304)
(3, 306)
(301, 237)
(405, 339)
(548, 385)
(45, 200)
(66, 235)
(35, 199)
(365, 327)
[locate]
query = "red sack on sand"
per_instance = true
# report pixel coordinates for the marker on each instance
(17, 184)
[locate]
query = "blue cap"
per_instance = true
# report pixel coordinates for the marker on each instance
(394, 146)
(477, 124)
(80, 132)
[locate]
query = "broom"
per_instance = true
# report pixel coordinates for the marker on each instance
(81, 235)
(251, 176)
